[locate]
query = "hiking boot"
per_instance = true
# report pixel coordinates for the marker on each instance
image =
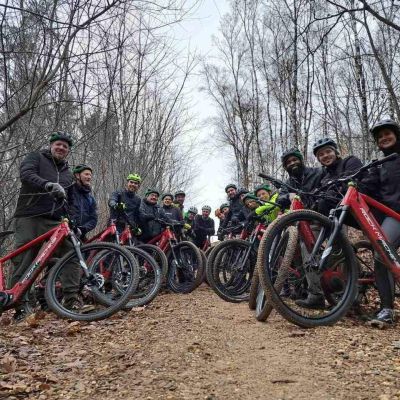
(314, 301)
(384, 318)
(76, 305)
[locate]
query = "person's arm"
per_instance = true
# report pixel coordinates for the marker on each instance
(114, 199)
(284, 197)
(29, 171)
(211, 228)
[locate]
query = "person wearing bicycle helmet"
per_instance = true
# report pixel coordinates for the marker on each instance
(171, 211)
(149, 214)
(203, 226)
(46, 180)
(237, 212)
(334, 166)
(125, 203)
(179, 200)
(383, 184)
(269, 206)
(300, 177)
(85, 204)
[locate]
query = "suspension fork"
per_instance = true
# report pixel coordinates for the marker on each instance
(77, 246)
(338, 223)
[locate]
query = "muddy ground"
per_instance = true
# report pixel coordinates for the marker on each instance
(196, 346)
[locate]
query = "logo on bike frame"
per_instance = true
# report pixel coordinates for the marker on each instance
(381, 240)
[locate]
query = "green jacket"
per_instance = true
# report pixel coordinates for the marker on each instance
(274, 209)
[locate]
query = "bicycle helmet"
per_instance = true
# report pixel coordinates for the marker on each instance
(167, 195)
(319, 144)
(180, 192)
(242, 191)
(193, 210)
(206, 208)
(66, 137)
(294, 151)
(149, 191)
(223, 205)
(134, 177)
(265, 186)
(80, 168)
(250, 196)
(385, 123)
(230, 185)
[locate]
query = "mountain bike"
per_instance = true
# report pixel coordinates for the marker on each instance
(99, 296)
(328, 260)
(185, 266)
(150, 274)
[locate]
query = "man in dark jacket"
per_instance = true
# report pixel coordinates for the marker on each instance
(126, 201)
(300, 177)
(179, 200)
(46, 181)
(203, 226)
(170, 210)
(334, 166)
(149, 212)
(236, 213)
(84, 202)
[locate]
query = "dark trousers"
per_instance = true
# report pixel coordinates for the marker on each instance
(27, 229)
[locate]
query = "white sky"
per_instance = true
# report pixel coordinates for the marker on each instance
(212, 164)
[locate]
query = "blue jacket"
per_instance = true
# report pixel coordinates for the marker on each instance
(85, 208)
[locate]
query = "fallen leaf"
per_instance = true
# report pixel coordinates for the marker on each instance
(8, 364)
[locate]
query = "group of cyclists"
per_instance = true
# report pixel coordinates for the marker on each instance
(45, 176)
(46, 180)
(381, 183)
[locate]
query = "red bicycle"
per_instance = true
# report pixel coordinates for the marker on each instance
(329, 253)
(100, 297)
(185, 265)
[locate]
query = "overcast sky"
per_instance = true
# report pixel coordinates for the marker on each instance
(214, 173)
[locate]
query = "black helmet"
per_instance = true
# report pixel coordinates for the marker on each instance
(62, 136)
(294, 151)
(385, 123)
(320, 143)
(230, 185)
(167, 195)
(242, 191)
(81, 167)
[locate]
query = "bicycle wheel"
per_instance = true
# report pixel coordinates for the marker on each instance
(158, 255)
(303, 272)
(87, 295)
(204, 262)
(284, 253)
(232, 270)
(255, 282)
(150, 278)
(185, 267)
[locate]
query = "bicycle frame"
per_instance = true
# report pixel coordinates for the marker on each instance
(123, 238)
(163, 240)
(55, 236)
(304, 228)
(360, 207)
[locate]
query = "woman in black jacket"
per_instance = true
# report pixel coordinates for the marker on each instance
(383, 184)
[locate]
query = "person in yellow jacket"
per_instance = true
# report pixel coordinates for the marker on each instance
(264, 193)
(266, 211)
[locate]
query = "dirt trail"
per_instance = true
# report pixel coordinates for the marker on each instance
(197, 347)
